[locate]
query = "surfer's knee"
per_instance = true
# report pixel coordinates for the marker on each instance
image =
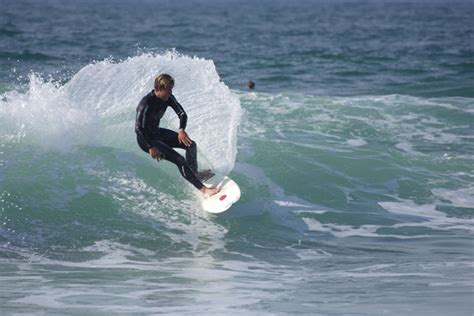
(180, 160)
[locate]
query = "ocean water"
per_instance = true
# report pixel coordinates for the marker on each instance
(354, 154)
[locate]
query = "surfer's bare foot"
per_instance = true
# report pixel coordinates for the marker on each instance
(210, 191)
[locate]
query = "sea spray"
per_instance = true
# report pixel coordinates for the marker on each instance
(97, 106)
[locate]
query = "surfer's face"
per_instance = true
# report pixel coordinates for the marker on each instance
(165, 93)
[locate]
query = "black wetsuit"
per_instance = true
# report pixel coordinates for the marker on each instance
(150, 110)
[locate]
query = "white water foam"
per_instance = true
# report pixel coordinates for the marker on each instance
(356, 142)
(412, 124)
(413, 209)
(43, 114)
(463, 197)
(433, 218)
(425, 216)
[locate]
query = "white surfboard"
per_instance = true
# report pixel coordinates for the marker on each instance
(222, 201)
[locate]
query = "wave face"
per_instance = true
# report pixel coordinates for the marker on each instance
(390, 166)
(71, 168)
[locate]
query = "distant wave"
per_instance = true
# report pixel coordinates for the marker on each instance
(26, 55)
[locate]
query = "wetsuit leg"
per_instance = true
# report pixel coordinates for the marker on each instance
(173, 156)
(170, 138)
(167, 152)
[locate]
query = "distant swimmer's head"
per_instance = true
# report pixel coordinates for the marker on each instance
(164, 84)
(251, 85)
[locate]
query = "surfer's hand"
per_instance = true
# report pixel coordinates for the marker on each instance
(183, 137)
(154, 153)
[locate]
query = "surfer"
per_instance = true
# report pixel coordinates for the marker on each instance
(159, 142)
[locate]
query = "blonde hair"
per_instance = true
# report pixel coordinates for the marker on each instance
(163, 81)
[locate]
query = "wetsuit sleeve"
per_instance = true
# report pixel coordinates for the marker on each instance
(140, 125)
(183, 118)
